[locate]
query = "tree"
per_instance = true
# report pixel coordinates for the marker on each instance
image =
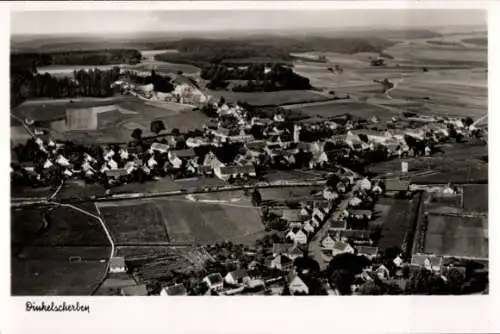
(176, 131)
(157, 126)
(256, 197)
(392, 252)
(371, 288)
(455, 280)
(137, 134)
(468, 121)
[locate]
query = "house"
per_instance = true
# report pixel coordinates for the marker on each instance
(292, 215)
(214, 281)
(337, 224)
(394, 187)
(300, 237)
(356, 236)
(117, 265)
(382, 272)
(398, 261)
(185, 154)
(427, 261)
(238, 276)
(162, 148)
(361, 214)
(175, 161)
(341, 248)
(296, 285)
(328, 242)
(174, 290)
(307, 227)
(226, 172)
(187, 91)
(115, 174)
(281, 262)
(281, 248)
(368, 251)
(135, 290)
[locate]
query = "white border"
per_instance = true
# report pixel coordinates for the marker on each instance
(256, 314)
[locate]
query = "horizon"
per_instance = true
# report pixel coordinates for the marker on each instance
(99, 23)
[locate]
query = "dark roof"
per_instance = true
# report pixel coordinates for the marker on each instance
(355, 234)
(176, 290)
(137, 290)
(340, 246)
(239, 273)
(338, 224)
(397, 185)
(361, 212)
(117, 261)
(187, 153)
(215, 278)
(229, 170)
(181, 79)
(367, 250)
(116, 172)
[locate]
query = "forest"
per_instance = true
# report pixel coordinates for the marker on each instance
(254, 78)
(32, 60)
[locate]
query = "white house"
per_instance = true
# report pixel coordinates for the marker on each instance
(238, 276)
(297, 285)
(174, 290)
(328, 242)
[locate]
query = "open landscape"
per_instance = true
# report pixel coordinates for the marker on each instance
(290, 160)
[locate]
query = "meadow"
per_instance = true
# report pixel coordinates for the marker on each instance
(180, 220)
(457, 236)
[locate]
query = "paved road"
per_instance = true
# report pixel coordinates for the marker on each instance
(315, 244)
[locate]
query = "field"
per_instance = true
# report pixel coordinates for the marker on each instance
(395, 217)
(116, 117)
(147, 64)
(460, 163)
(183, 220)
(457, 236)
(271, 98)
(336, 108)
(40, 253)
(55, 277)
(476, 198)
(289, 193)
(134, 223)
(66, 227)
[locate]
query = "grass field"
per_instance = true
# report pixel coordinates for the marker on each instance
(457, 236)
(396, 216)
(358, 109)
(271, 98)
(66, 227)
(476, 197)
(201, 219)
(47, 271)
(288, 193)
(136, 222)
(115, 124)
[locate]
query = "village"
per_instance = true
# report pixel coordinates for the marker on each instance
(320, 246)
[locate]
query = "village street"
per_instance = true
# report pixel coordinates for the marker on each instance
(315, 244)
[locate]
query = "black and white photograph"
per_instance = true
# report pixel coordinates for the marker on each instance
(257, 152)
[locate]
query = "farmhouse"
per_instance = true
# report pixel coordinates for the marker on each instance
(214, 281)
(116, 174)
(296, 285)
(117, 265)
(238, 276)
(226, 172)
(430, 262)
(328, 242)
(281, 262)
(281, 248)
(174, 290)
(368, 251)
(340, 248)
(396, 187)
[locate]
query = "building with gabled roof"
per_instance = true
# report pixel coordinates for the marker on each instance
(214, 281)
(174, 290)
(117, 264)
(238, 276)
(368, 251)
(427, 261)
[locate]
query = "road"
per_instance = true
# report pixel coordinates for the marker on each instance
(315, 244)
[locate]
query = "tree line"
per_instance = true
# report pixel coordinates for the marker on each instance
(258, 77)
